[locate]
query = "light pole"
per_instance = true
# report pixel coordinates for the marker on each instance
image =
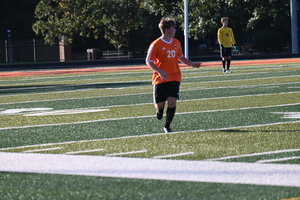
(9, 48)
(294, 25)
(186, 28)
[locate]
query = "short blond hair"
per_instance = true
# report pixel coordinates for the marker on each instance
(224, 18)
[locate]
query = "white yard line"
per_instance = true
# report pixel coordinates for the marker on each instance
(86, 151)
(255, 154)
(243, 108)
(39, 150)
(124, 118)
(147, 135)
(278, 159)
(143, 168)
(126, 153)
(174, 155)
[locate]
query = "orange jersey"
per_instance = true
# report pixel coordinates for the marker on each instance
(165, 56)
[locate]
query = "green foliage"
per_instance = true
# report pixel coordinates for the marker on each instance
(121, 17)
(170, 8)
(61, 19)
(118, 20)
(64, 18)
(205, 15)
(271, 13)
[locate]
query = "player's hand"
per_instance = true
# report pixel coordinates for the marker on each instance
(236, 48)
(164, 75)
(196, 64)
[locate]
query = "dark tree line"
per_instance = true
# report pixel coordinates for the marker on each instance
(132, 24)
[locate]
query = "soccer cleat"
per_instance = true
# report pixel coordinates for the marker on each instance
(228, 71)
(159, 114)
(167, 130)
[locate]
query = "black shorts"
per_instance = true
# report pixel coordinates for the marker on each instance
(162, 91)
(225, 52)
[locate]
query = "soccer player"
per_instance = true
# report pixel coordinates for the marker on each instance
(226, 40)
(163, 55)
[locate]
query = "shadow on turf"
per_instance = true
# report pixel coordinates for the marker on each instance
(234, 131)
(49, 88)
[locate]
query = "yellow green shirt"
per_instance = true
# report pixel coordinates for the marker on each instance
(226, 37)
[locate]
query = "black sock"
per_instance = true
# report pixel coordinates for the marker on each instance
(169, 116)
(159, 113)
(223, 63)
(228, 64)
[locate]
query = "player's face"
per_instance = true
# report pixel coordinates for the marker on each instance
(171, 31)
(225, 22)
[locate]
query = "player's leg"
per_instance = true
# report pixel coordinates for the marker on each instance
(159, 97)
(229, 51)
(222, 54)
(170, 113)
(228, 63)
(159, 109)
(173, 96)
(223, 64)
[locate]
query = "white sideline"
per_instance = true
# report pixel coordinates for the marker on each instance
(143, 168)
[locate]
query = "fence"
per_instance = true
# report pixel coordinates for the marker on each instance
(115, 55)
(95, 53)
(28, 51)
(36, 50)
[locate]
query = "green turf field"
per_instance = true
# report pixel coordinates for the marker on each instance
(251, 116)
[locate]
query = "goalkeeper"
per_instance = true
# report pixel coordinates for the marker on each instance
(226, 41)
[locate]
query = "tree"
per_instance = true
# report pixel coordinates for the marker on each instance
(205, 15)
(62, 19)
(263, 20)
(120, 20)
(122, 17)
(169, 8)
(65, 18)
(270, 21)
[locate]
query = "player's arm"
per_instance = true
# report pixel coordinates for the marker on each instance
(150, 62)
(220, 39)
(188, 62)
(232, 38)
(163, 74)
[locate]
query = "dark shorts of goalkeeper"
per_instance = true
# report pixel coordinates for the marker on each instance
(225, 52)
(162, 91)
